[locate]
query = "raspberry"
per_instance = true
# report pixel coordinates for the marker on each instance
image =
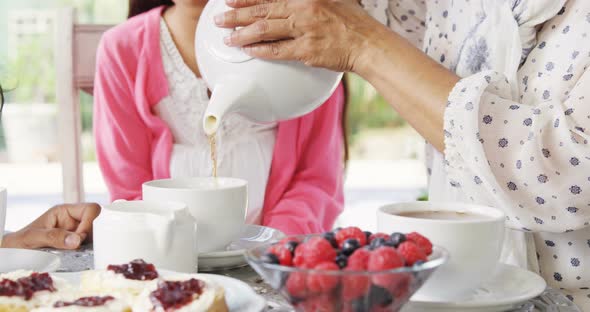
(313, 252)
(376, 235)
(421, 241)
(283, 254)
(359, 260)
(323, 283)
(298, 260)
(384, 258)
(296, 285)
(401, 288)
(355, 285)
(321, 303)
(351, 232)
(411, 252)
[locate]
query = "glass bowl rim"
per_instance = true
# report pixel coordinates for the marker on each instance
(440, 259)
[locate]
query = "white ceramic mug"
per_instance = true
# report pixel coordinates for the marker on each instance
(474, 245)
(2, 212)
(218, 204)
(162, 233)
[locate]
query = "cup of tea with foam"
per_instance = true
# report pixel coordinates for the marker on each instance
(472, 234)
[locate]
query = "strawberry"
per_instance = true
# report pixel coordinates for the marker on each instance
(411, 252)
(351, 232)
(323, 283)
(421, 241)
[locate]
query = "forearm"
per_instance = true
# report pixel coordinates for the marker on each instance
(6, 240)
(415, 85)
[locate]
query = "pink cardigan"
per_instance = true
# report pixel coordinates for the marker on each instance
(304, 190)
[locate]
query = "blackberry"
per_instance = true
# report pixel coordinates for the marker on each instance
(379, 296)
(291, 246)
(368, 235)
(397, 238)
(270, 258)
(341, 261)
(349, 246)
(330, 236)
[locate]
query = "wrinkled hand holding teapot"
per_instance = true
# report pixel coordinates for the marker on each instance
(263, 91)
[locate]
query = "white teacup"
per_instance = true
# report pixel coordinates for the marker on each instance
(2, 211)
(218, 204)
(162, 233)
(472, 234)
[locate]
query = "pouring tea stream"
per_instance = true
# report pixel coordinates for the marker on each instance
(263, 91)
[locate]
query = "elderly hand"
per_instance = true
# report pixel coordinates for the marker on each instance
(64, 227)
(333, 34)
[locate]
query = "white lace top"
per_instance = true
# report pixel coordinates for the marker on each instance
(244, 148)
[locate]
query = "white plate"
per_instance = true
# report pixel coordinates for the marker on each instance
(511, 286)
(238, 295)
(233, 256)
(25, 259)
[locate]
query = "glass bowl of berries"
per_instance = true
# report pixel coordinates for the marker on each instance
(347, 269)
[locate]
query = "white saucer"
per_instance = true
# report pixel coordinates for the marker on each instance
(233, 256)
(511, 286)
(25, 259)
(238, 295)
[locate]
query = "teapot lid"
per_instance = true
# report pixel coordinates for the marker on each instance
(212, 36)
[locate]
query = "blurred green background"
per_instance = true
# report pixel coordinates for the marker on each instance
(27, 69)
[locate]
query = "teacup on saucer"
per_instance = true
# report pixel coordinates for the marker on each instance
(218, 204)
(472, 234)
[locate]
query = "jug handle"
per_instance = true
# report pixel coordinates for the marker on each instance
(163, 231)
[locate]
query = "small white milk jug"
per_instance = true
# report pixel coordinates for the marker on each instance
(162, 233)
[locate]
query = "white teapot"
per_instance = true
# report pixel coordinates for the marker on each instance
(162, 233)
(263, 91)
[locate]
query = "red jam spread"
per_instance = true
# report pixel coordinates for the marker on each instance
(136, 270)
(173, 295)
(85, 302)
(26, 287)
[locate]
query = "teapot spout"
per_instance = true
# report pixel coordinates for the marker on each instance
(227, 97)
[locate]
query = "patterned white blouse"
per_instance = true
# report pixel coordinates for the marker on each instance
(517, 125)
